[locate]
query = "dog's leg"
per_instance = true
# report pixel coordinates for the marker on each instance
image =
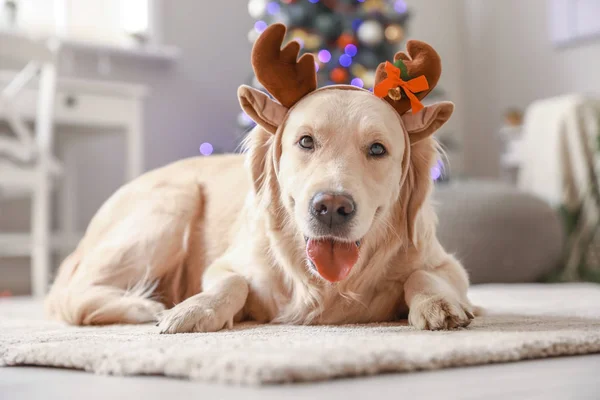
(130, 246)
(224, 295)
(437, 298)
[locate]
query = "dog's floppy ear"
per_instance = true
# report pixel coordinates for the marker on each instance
(423, 155)
(261, 148)
(417, 185)
(424, 123)
(261, 108)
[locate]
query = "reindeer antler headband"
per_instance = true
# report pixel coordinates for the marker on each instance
(288, 79)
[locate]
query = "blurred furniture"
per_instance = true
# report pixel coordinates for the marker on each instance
(97, 105)
(501, 234)
(511, 156)
(560, 164)
(26, 162)
(91, 107)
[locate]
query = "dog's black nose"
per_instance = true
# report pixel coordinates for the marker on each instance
(333, 209)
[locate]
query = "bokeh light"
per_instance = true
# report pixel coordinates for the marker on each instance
(316, 66)
(436, 170)
(400, 6)
(324, 56)
(206, 149)
(314, 1)
(246, 119)
(273, 8)
(345, 60)
(260, 26)
(351, 50)
(357, 82)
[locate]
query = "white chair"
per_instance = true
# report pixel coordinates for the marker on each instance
(27, 166)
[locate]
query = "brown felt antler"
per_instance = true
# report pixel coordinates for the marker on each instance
(421, 60)
(278, 71)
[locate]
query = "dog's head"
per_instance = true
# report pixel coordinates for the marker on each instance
(336, 159)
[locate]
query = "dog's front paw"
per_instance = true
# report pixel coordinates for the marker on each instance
(438, 312)
(196, 314)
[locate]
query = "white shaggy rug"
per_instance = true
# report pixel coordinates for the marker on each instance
(524, 322)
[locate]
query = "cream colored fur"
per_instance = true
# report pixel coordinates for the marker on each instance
(206, 242)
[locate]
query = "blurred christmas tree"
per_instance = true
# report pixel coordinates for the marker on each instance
(349, 38)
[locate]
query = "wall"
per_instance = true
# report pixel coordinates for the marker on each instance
(440, 23)
(512, 62)
(191, 102)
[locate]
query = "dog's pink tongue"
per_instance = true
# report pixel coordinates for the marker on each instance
(333, 260)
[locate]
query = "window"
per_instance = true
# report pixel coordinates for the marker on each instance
(574, 20)
(118, 22)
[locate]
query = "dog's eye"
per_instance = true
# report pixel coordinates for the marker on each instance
(306, 142)
(377, 150)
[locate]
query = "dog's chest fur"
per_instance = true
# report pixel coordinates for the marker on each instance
(283, 290)
(323, 303)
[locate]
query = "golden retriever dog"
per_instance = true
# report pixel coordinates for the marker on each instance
(325, 219)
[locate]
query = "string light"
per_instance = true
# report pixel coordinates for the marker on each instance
(260, 26)
(400, 6)
(273, 8)
(206, 149)
(436, 170)
(351, 50)
(357, 82)
(246, 118)
(256, 8)
(324, 56)
(345, 60)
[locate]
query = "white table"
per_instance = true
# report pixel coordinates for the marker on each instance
(96, 106)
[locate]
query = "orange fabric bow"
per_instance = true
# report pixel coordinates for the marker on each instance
(411, 87)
